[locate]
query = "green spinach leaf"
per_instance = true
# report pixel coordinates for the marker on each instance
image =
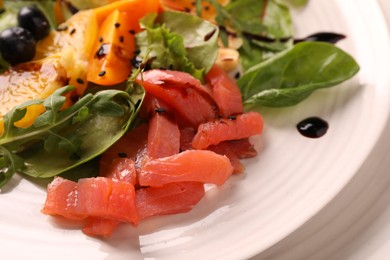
(292, 75)
(265, 26)
(60, 140)
(297, 3)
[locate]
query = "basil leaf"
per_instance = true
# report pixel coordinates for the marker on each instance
(292, 75)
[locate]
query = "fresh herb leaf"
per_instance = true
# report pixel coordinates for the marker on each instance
(298, 3)
(265, 26)
(292, 75)
(246, 16)
(277, 19)
(9, 163)
(60, 140)
(178, 41)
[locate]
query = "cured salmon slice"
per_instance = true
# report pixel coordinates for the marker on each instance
(191, 165)
(91, 197)
(172, 198)
(225, 92)
(233, 128)
(191, 101)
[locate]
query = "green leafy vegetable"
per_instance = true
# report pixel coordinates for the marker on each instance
(62, 139)
(265, 26)
(178, 41)
(245, 16)
(298, 3)
(292, 75)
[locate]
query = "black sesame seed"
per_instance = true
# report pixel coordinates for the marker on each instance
(80, 81)
(100, 39)
(122, 155)
(121, 38)
(73, 31)
(209, 35)
(206, 8)
(102, 73)
(102, 51)
(131, 31)
(117, 25)
(237, 75)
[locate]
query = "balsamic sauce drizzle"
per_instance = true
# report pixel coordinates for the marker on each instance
(313, 127)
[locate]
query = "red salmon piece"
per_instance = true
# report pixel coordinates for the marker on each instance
(163, 134)
(92, 197)
(190, 100)
(172, 198)
(100, 227)
(121, 169)
(61, 199)
(192, 165)
(235, 128)
(225, 92)
(176, 79)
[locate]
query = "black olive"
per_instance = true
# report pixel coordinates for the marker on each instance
(32, 19)
(17, 45)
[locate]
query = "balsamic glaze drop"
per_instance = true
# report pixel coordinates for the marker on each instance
(322, 37)
(313, 127)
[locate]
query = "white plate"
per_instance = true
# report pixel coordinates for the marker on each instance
(288, 184)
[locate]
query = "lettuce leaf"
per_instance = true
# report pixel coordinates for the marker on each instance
(178, 41)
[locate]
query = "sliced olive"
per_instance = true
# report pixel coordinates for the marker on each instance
(17, 45)
(34, 20)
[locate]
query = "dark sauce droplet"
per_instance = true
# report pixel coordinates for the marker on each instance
(313, 127)
(322, 37)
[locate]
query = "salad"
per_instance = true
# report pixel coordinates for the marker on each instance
(133, 105)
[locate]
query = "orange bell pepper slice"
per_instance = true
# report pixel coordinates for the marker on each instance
(109, 63)
(136, 8)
